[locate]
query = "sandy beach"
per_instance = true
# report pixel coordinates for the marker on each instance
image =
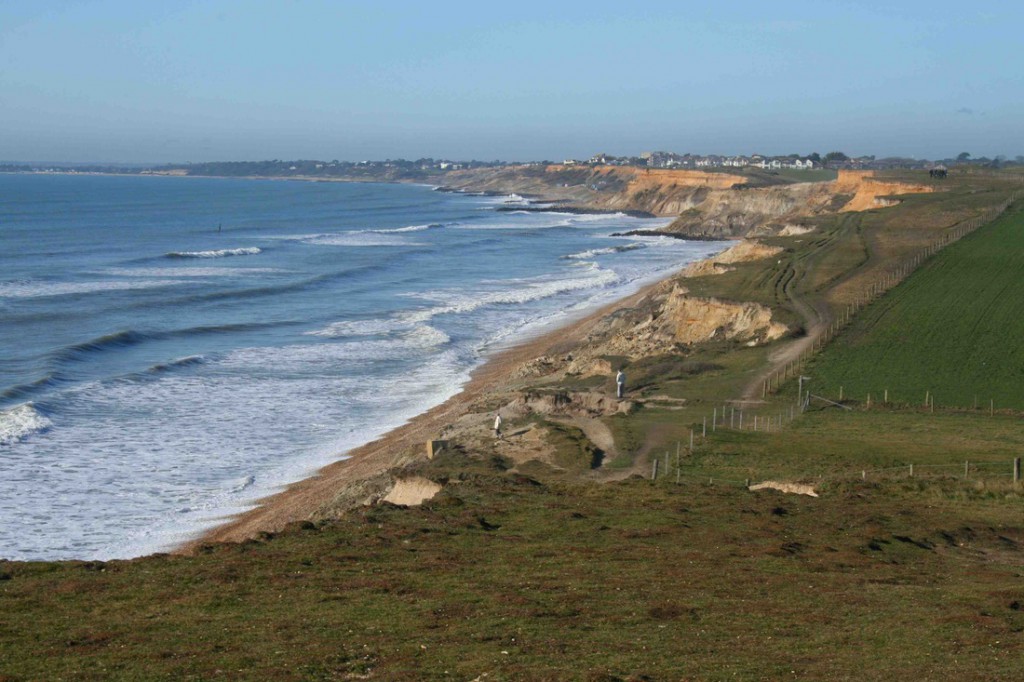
(308, 498)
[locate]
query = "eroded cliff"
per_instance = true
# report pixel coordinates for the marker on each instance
(738, 212)
(658, 192)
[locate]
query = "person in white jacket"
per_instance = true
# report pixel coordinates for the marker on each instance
(620, 384)
(497, 426)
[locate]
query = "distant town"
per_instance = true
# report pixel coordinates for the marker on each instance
(407, 169)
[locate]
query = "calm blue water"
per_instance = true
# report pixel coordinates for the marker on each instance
(173, 348)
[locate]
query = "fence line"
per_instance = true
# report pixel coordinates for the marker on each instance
(889, 278)
(981, 471)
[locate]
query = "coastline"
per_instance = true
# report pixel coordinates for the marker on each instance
(308, 498)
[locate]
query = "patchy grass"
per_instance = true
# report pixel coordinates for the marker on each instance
(522, 579)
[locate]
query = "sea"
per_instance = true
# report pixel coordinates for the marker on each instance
(174, 348)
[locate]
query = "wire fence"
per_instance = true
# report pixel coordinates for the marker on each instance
(988, 470)
(871, 291)
(738, 418)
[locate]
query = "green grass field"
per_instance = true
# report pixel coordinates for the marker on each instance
(953, 329)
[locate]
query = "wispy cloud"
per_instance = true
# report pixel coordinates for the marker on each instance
(966, 111)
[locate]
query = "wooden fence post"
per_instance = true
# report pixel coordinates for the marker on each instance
(654, 470)
(1016, 469)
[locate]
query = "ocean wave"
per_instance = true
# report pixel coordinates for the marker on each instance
(409, 228)
(540, 220)
(408, 333)
(21, 421)
(119, 339)
(355, 238)
(240, 484)
(37, 289)
(360, 239)
(219, 253)
(337, 330)
(518, 292)
(189, 272)
(596, 217)
(425, 336)
(584, 255)
(349, 356)
(22, 391)
(187, 361)
(130, 337)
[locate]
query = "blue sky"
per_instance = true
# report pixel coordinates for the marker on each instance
(143, 81)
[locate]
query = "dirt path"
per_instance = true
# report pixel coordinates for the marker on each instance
(816, 318)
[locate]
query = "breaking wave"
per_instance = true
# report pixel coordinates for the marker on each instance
(188, 361)
(409, 228)
(519, 292)
(409, 333)
(220, 253)
(21, 421)
(584, 255)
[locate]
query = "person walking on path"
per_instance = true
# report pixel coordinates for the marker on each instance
(497, 426)
(620, 384)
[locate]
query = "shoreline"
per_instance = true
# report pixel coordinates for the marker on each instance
(306, 498)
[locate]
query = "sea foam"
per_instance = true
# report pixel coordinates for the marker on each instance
(591, 253)
(513, 292)
(21, 421)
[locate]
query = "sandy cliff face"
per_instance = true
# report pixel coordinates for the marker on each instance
(708, 205)
(731, 213)
(659, 192)
(664, 321)
(870, 193)
(741, 252)
(696, 320)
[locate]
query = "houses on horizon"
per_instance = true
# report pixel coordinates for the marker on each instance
(695, 161)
